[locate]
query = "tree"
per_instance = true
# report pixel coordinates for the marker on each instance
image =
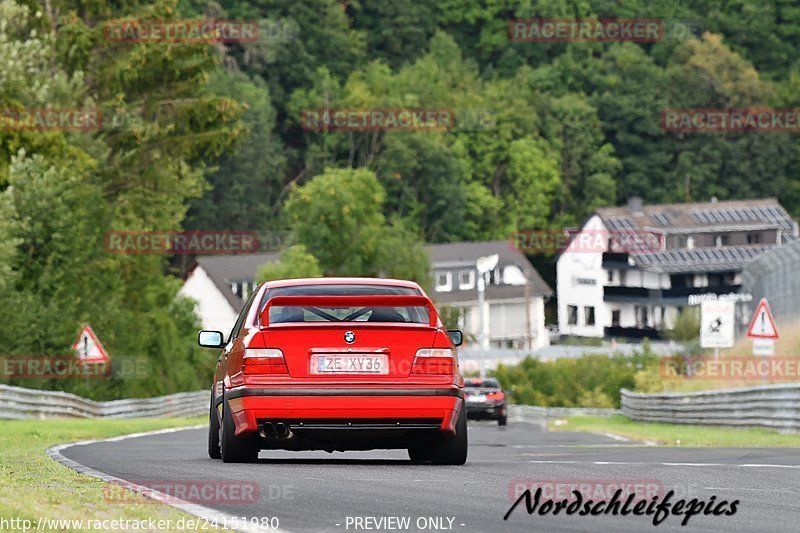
(295, 262)
(338, 217)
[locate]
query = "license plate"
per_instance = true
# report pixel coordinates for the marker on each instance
(476, 398)
(349, 364)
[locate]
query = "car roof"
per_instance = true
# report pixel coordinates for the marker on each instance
(342, 281)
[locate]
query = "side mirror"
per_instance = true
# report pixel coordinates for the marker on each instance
(210, 339)
(456, 336)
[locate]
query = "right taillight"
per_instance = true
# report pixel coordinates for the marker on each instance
(434, 361)
(264, 361)
(496, 396)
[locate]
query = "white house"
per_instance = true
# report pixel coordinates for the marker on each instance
(636, 290)
(220, 284)
(515, 292)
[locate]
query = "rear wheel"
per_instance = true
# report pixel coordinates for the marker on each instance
(213, 431)
(235, 449)
(418, 454)
(452, 450)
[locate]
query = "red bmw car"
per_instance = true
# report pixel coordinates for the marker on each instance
(337, 364)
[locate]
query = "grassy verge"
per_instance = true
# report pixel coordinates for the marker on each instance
(34, 485)
(677, 434)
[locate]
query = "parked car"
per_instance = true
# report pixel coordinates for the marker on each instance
(485, 400)
(337, 364)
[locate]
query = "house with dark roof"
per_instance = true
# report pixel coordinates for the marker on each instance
(515, 292)
(625, 289)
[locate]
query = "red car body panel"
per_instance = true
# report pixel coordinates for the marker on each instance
(296, 394)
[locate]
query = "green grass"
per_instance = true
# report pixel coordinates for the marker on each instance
(33, 485)
(678, 434)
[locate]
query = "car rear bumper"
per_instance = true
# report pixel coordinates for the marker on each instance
(345, 407)
(485, 411)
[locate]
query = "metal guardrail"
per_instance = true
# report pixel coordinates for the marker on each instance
(20, 403)
(536, 414)
(769, 406)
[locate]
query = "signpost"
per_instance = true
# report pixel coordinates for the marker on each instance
(717, 324)
(89, 348)
(763, 331)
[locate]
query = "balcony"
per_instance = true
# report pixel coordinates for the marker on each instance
(677, 295)
(633, 333)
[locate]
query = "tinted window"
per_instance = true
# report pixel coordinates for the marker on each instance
(485, 383)
(281, 314)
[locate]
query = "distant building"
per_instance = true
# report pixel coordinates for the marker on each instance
(219, 284)
(705, 247)
(516, 320)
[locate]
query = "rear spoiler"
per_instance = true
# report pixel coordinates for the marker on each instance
(389, 300)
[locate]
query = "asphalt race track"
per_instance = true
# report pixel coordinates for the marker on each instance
(316, 491)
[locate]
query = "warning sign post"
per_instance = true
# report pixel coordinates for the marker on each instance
(89, 348)
(763, 331)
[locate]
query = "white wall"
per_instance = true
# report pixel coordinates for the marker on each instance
(212, 307)
(507, 320)
(573, 271)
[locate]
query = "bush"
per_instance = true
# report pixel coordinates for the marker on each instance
(587, 381)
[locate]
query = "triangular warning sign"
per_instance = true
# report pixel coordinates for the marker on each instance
(762, 326)
(89, 348)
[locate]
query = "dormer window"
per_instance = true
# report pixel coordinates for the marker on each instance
(466, 280)
(444, 282)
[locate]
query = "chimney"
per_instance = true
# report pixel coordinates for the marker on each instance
(635, 205)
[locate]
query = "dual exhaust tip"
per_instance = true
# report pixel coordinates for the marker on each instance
(278, 430)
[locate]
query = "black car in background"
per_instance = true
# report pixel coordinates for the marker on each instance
(485, 400)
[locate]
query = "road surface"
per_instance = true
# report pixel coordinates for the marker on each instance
(359, 491)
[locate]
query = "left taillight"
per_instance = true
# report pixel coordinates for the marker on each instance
(264, 361)
(434, 361)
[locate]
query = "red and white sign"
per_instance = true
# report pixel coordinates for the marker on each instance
(762, 326)
(89, 348)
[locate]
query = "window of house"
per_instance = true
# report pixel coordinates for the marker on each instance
(611, 276)
(753, 238)
(466, 280)
(721, 240)
(572, 315)
(689, 242)
(444, 281)
(615, 317)
(494, 276)
(642, 316)
(588, 313)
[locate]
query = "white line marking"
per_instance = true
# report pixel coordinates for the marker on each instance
(631, 463)
(207, 513)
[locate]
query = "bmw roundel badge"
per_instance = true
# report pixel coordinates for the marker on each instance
(349, 337)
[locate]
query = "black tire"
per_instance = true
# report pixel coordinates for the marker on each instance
(234, 449)
(418, 454)
(213, 431)
(502, 421)
(452, 450)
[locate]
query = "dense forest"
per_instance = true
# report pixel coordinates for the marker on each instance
(209, 135)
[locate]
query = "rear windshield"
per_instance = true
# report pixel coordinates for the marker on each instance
(486, 383)
(279, 314)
